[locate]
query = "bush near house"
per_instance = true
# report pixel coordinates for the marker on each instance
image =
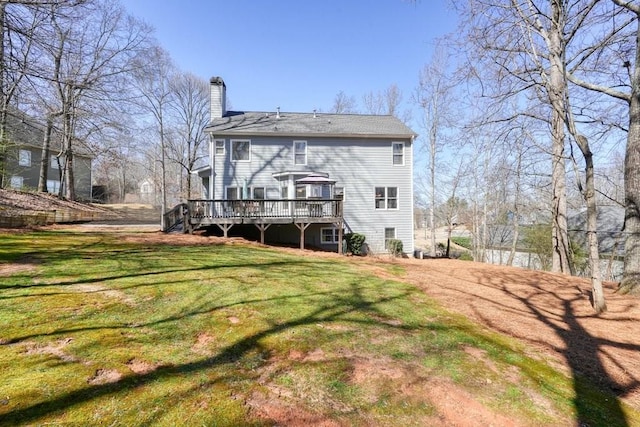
(355, 241)
(395, 247)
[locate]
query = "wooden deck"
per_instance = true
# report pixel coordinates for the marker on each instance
(261, 213)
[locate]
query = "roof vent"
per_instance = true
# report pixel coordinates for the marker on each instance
(277, 112)
(314, 114)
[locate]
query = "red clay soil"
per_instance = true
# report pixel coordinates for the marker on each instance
(549, 312)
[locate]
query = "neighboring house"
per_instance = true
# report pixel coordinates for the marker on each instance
(610, 221)
(306, 177)
(25, 137)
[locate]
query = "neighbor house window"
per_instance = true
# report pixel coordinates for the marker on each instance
(328, 235)
(53, 186)
(240, 150)
(54, 162)
(16, 182)
(24, 158)
(219, 150)
(386, 197)
(389, 234)
(398, 153)
(299, 152)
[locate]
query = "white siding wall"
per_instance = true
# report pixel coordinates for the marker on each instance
(358, 165)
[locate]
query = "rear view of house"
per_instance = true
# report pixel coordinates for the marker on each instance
(307, 177)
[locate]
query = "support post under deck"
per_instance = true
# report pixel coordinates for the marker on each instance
(302, 226)
(262, 227)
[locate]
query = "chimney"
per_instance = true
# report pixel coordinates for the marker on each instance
(218, 98)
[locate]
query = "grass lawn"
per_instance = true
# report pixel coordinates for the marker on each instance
(98, 330)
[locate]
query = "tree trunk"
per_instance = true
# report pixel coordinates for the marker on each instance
(597, 293)
(44, 162)
(631, 275)
(556, 90)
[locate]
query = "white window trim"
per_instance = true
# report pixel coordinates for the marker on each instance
(393, 155)
(306, 153)
(24, 158)
(232, 151)
(386, 239)
(16, 182)
(335, 236)
(224, 147)
(386, 198)
(238, 192)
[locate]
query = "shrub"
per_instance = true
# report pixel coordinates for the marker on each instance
(465, 256)
(395, 247)
(355, 241)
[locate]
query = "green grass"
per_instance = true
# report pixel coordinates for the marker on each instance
(216, 325)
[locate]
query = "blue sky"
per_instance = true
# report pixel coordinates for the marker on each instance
(298, 54)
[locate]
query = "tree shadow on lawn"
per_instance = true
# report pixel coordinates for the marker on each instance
(552, 301)
(335, 309)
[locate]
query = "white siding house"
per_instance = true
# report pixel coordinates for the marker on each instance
(361, 162)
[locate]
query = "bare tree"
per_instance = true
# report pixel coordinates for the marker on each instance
(433, 97)
(153, 85)
(343, 104)
(191, 105)
(92, 50)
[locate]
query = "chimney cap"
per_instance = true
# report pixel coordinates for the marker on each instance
(217, 81)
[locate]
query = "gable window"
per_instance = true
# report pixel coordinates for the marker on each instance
(398, 153)
(299, 152)
(219, 147)
(24, 158)
(386, 198)
(16, 182)
(389, 234)
(328, 235)
(240, 150)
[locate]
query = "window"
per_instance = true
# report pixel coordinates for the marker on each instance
(301, 192)
(54, 162)
(233, 193)
(53, 186)
(219, 150)
(398, 153)
(328, 235)
(338, 193)
(258, 193)
(24, 158)
(16, 182)
(284, 192)
(389, 234)
(299, 152)
(240, 150)
(386, 197)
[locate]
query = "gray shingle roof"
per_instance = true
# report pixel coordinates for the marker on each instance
(309, 124)
(24, 130)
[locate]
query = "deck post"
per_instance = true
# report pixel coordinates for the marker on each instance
(225, 229)
(262, 227)
(340, 248)
(302, 226)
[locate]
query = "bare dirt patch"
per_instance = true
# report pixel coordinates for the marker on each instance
(140, 367)
(55, 349)
(105, 376)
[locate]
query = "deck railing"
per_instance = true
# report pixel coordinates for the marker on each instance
(312, 210)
